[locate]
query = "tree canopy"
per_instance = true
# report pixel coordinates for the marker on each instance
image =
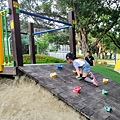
(95, 18)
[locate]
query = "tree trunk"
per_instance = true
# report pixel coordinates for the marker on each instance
(99, 46)
(99, 52)
(105, 55)
(83, 40)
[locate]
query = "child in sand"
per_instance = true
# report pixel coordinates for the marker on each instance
(82, 68)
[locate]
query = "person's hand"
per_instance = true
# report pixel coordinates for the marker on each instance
(77, 76)
(74, 71)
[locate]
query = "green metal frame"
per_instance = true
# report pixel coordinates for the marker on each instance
(5, 36)
(3, 40)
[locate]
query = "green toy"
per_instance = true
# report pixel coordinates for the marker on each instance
(80, 78)
(108, 108)
(104, 92)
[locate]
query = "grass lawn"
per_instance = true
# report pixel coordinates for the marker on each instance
(107, 71)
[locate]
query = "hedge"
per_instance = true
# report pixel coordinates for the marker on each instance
(40, 59)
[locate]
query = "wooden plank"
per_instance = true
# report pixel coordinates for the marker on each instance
(9, 71)
(111, 118)
(98, 116)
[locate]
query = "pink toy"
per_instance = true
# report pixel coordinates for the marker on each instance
(77, 89)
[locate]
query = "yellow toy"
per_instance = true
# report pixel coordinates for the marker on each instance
(53, 75)
(105, 80)
(117, 66)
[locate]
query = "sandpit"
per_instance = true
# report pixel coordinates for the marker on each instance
(24, 100)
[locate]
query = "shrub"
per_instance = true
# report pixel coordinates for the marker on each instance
(80, 56)
(42, 59)
(102, 62)
(48, 59)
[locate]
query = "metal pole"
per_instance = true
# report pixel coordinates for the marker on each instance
(1, 44)
(7, 44)
(9, 39)
(3, 39)
(51, 30)
(43, 17)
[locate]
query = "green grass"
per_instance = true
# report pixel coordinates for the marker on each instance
(107, 71)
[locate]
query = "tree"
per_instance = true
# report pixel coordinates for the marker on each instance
(42, 44)
(25, 44)
(95, 17)
(106, 45)
(57, 38)
(3, 5)
(42, 7)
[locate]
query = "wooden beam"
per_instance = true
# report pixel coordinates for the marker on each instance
(32, 43)
(15, 30)
(9, 70)
(72, 32)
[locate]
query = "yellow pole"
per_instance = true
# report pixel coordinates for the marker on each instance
(1, 45)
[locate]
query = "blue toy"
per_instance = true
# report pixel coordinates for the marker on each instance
(59, 66)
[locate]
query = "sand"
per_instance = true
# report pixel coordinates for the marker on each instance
(24, 100)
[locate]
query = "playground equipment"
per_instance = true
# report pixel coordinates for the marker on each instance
(43, 17)
(107, 108)
(70, 25)
(51, 30)
(59, 66)
(117, 66)
(77, 89)
(53, 75)
(4, 41)
(105, 80)
(1, 45)
(104, 92)
(14, 12)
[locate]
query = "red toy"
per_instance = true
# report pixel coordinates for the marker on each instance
(77, 89)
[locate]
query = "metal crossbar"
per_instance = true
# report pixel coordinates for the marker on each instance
(51, 30)
(43, 17)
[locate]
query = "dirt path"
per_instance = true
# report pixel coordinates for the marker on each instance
(24, 100)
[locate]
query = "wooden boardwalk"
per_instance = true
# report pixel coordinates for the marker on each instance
(90, 101)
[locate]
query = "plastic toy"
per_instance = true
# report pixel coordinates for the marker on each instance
(59, 66)
(104, 92)
(80, 78)
(53, 75)
(77, 89)
(117, 66)
(108, 108)
(105, 80)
